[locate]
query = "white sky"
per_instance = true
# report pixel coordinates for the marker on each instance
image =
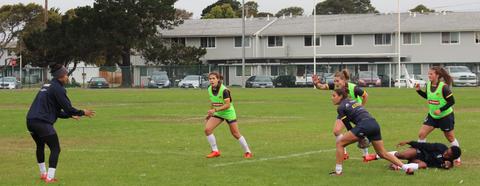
(272, 6)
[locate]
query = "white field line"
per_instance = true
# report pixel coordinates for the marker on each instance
(273, 158)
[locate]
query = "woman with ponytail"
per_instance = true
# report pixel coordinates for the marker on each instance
(222, 109)
(440, 103)
(354, 92)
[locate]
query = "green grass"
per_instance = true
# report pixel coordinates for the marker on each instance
(155, 137)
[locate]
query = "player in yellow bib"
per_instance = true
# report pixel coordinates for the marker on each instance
(440, 105)
(222, 109)
(341, 81)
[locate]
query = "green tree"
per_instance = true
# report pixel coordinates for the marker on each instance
(264, 14)
(221, 11)
(422, 9)
(158, 53)
(124, 26)
(251, 9)
(296, 11)
(13, 21)
(233, 3)
(345, 7)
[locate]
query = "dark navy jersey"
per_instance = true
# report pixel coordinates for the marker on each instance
(51, 103)
(430, 153)
(351, 111)
(359, 92)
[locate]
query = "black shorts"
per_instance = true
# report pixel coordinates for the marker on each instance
(368, 128)
(446, 123)
(228, 121)
(41, 129)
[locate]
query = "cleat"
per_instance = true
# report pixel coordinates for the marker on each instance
(214, 154)
(248, 155)
(50, 180)
(394, 167)
(457, 162)
(43, 176)
(345, 156)
(369, 157)
(409, 171)
(334, 173)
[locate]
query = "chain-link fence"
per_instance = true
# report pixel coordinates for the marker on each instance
(256, 75)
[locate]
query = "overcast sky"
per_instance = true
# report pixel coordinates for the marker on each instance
(273, 6)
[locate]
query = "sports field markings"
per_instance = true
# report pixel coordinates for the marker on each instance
(273, 158)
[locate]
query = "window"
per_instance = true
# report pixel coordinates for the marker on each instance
(207, 42)
(180, 41)
(363, 67)
(274, 70)
(450, 37)
(477, 37)
(344, 40)
(238, 42)
(275, 41)
(308, 40)
(383, 39)
(411, 38)
(417, 69)
(248, 71)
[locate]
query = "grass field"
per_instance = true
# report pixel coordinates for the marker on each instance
(155, 137)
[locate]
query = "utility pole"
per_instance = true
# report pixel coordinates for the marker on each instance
(243, 43)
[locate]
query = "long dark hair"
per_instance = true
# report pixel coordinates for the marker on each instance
(217, 75)
(442, 74)
(341, 92)
(344, 74)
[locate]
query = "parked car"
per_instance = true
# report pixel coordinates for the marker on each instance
(159, 80)
(98, 82)
(259, 82)
(386, 81)
(284, 81)
(462, 76)
(410, 83)
(328, 78)
(368, 79)
(9, 83)
(194, 81)
(304, 80)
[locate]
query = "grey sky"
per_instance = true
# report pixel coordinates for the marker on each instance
(273, 6)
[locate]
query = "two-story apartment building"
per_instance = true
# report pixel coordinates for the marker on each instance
(365, 42)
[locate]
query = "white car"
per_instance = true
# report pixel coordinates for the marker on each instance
(193, 81)
(410, 83)
(462, 76)
(9, 83)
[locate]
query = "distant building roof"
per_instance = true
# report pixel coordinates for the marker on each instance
(331, 24)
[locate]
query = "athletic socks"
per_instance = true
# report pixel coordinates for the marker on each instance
(338, 168)
(413, 166)
(42, 167)
(51, 173)
(244, 144)
(365, 151)
(455, 143)
(422, 140)
(213, 142)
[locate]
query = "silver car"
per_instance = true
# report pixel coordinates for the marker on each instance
(9, 83)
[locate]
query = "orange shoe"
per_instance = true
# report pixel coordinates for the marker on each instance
(248, 155)
(50, 180)
(369, 157)
(43, 176)
(214, 154)
(345, 156)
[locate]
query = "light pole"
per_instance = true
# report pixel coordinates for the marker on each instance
(243, 43)
(398, 42)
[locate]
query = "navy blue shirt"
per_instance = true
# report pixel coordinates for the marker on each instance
(431, 153)
(351, 111)
(51, 103)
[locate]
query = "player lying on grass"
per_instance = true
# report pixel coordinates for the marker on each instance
(341, 80)
(365, 126)
(51, 103)
(435, 155)
(222, 109)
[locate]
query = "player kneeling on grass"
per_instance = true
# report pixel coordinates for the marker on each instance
(51, 103)
(435, 155)
(365, 126)
(222, 109)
